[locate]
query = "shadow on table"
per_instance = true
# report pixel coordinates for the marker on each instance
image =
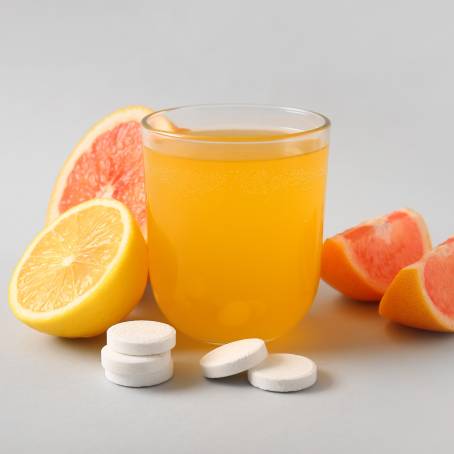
(337, 325)
(83, 346)
(400, 334)
(238, 381)
(334, 325)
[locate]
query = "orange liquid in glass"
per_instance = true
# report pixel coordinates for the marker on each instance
(235, 237)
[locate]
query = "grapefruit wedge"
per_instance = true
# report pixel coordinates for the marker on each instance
(362, 261)
(422, 294)
(106, 163)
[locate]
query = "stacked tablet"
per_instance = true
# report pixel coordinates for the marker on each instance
(138, 354)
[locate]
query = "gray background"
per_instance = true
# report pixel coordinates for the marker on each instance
(382, 71)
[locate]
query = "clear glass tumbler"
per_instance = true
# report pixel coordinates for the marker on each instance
(235, 197)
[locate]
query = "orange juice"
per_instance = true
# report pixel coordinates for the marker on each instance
(235, 230)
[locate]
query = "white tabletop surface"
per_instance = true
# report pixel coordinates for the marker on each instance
(383, 74)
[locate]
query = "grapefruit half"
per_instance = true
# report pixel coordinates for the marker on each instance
(422, 294)
(106, 163)
(362, 261)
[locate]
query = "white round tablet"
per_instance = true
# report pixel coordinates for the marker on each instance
(141, 337)
(284, 372)
(233, 358)
(119, 363)
(141, 380)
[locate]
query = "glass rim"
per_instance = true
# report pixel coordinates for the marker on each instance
(288, 136)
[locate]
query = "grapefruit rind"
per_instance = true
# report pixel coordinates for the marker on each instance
(122, 284)
(407, 302)
(341, 269)
(131, 113)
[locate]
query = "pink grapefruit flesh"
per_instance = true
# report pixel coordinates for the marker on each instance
(439, 277)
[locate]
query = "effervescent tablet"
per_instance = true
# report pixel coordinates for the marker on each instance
(233, 358)
(284, 372)
(141, 337)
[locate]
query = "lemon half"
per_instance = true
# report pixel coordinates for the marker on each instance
(83, 273)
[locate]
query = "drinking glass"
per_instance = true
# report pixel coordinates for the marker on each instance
(235, 197)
